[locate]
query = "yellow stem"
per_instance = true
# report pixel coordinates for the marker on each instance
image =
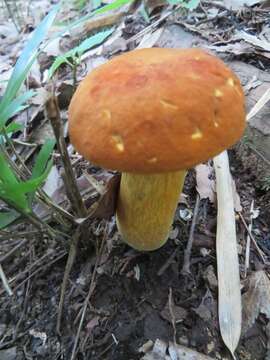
(146, 207)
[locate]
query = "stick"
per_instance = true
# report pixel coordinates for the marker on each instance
(72, 190)
(187, 254)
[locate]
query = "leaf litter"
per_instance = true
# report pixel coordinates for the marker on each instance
(119, 297)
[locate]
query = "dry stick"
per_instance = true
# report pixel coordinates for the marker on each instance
(12, 251)
(165, 266)
(153, 25)
(187, 254)
(248, 239)
(71, 186)
(68, 267)
(91, 289)
(260, 252)
(72, 191)
(64, 253)
(170, 302)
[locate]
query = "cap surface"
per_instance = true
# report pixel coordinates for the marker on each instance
(157, 110)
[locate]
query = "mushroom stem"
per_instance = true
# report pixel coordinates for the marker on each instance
(146, 207)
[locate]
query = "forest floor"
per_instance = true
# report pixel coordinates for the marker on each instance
(119, 302)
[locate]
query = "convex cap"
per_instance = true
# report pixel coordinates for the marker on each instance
(157, 110)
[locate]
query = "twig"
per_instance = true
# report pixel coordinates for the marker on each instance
(248, 238)
(24, 310)
(165, 266)
(11, 15)
(91, 289)
(187, 254)
(12, 251)
(5, 282)
(153, 25)
(72, 190)
(260, 252)
(69, 264)
(64, 253)
(170, 302)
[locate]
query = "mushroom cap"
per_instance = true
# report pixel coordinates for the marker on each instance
(157, 110)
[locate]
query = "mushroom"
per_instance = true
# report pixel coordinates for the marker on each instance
(152, 114)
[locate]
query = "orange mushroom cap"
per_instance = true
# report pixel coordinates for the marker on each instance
(157, 110)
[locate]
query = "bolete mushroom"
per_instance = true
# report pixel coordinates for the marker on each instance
(152, 114)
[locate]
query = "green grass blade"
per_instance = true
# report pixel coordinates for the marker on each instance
(93, 41)
(87, 44)
(31, 185)
(113, 6)
(15, 106)
(13, 127)
(10, 186)
(7, 218)
(43, 158)
(27, 58)
(41, 162)
(6, 174)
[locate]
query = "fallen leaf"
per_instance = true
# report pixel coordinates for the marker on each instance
(238, 4)
(205, 185)
(229, 295)
(256, 300)
(152, 5)
(210, 276)
(176, 352)
(175, 36)
(92, 324)
(41, 97)
(179, 313)
(259, 105)
(236, 48)
(207, 310)
(150, 39)
(252, 39)
(106, 205)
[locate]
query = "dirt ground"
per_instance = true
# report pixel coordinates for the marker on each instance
(135, 297)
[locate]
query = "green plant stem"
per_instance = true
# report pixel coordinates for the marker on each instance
(41, 195)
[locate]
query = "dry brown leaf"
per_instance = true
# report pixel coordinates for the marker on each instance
(105, 208)
(237, 48)
(207, 308)
(259, 105)
(102, 21)
(229, 299)
(256, 300)
(152, 5)
(150, 39)
(238, 4)
(160, 349)
(179, 312)
(205, 186)
(252, 39)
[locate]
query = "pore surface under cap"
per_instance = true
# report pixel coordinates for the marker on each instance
(157, 110)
